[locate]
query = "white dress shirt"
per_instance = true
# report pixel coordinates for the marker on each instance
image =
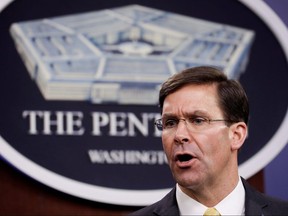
(232, 204)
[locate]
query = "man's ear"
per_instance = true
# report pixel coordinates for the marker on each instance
(238, 134)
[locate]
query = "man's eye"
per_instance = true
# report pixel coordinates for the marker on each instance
(170, 123)
(198, 120)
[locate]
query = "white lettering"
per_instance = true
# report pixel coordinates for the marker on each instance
(127, 157)
(32, 115)
(103, 124)
(74, 123)
(48, 123)
(135, 122)
(99, 119)
(124, 124)
(117, 124)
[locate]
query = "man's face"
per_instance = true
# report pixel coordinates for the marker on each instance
(197, 158)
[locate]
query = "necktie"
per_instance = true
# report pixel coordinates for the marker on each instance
(211, 211)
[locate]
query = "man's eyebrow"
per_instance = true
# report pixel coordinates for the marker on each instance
(192, 113)
(165, 115)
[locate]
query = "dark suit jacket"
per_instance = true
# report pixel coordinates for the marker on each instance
(256, 203)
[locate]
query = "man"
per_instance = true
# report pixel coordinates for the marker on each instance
(204, 124)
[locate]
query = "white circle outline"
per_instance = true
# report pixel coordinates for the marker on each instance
(146, 197)
(280, 138)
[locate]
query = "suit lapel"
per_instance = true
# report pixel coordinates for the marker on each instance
(254, 202)
(168, 205)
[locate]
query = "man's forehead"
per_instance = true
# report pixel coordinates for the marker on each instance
(193, 99)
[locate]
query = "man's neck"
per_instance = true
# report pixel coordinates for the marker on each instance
(211, 194)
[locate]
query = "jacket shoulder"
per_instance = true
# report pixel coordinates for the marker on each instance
(275, 206)
(148, 210)
(165, 206)
(257, 203)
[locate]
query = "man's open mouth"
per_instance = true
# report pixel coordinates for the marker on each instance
(184, 157)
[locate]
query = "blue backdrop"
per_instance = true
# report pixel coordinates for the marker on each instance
(276, 175)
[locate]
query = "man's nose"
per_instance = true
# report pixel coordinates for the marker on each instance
(182, 133)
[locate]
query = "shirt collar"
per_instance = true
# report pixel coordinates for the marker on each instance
(232, 204)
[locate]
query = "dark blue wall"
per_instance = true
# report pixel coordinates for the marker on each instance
(276, 173)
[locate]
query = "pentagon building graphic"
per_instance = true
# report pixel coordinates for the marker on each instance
(122, 55)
